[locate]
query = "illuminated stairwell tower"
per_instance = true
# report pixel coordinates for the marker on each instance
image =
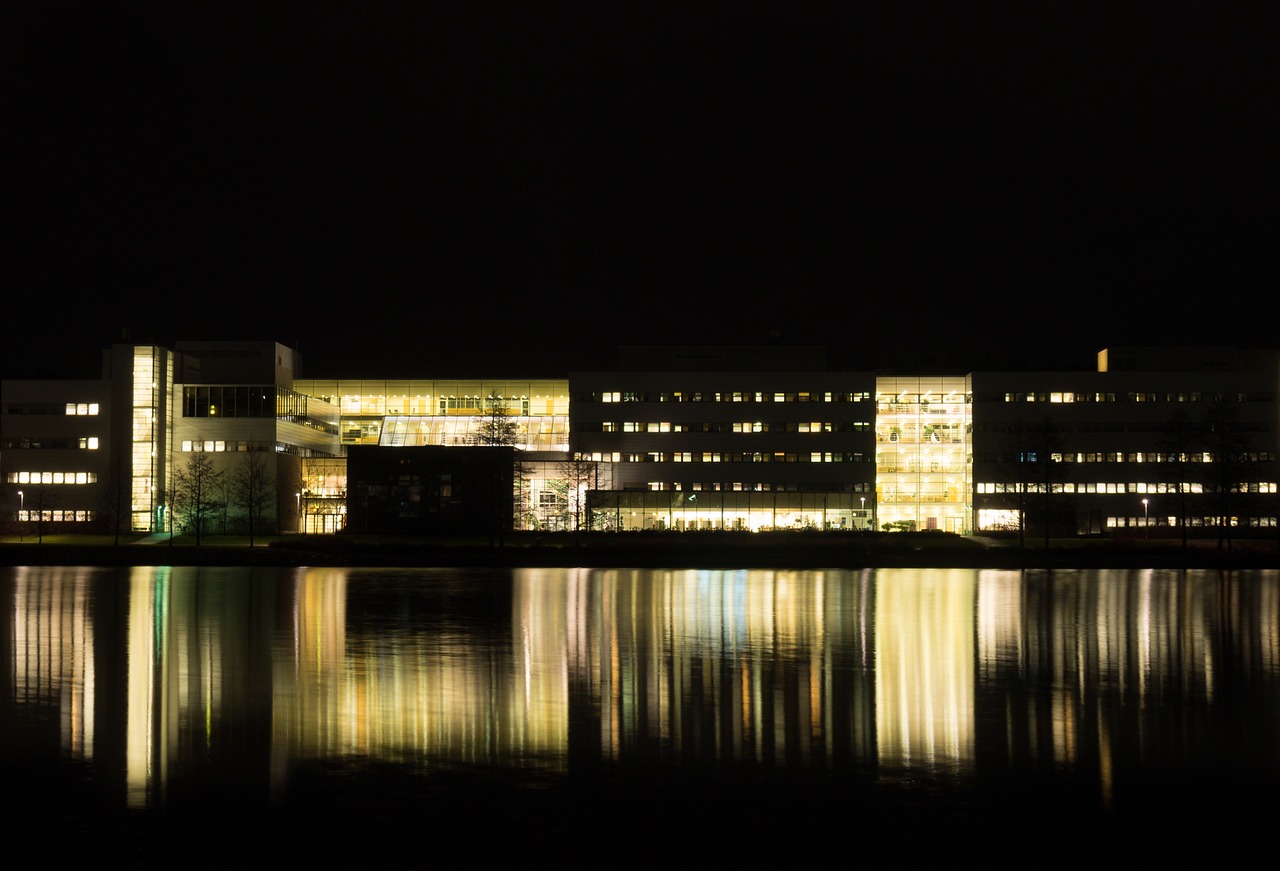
(924, 454)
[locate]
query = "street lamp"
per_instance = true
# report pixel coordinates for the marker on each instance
(1146, 530)
(22, 529)
(297, 497)
(863, 512)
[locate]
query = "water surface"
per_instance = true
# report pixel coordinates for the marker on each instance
(387, 715)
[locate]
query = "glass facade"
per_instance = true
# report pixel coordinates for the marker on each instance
(152, 384)
(923, 454)
(446, 412)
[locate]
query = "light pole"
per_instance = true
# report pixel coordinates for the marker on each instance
(22, 528)
(1146, 529)
(863, 512)
(297, 497)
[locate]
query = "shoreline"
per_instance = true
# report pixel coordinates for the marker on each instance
(662, 550)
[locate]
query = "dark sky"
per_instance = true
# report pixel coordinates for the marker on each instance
(428, 189)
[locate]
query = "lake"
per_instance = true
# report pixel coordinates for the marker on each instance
(407, 717)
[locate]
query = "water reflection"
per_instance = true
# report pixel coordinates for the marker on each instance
(176, 681)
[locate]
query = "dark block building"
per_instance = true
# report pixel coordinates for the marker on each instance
(430, 489)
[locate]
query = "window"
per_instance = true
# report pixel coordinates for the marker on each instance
(52, 477)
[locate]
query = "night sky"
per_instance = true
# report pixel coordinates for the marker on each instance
(515, 189)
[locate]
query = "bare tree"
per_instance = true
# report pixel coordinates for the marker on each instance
(252, 490)
(196, 486)
(523, 507)
(495, 425)
(115, 498)
(1032, 464)
(1177, 446)
(1048, 465)
(1227, 442)
(1017, 476)
(579, 475)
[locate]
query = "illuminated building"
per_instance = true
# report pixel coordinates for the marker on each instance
(684, 438)
(728, 438)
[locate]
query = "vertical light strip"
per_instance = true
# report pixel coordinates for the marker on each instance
(144, 414)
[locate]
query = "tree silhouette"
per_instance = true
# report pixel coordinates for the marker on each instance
(195, 490)
(578, 475)
(115, 497)
(1227, 442)
(252, 490)
(1179, 443)
(495, 427)
(1032, 465)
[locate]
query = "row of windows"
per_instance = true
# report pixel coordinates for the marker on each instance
(52, 477)
(218, 445)
(59, 443)
(911, 408)
(1123, 457)
(56, 515)
(745, 426)
(1253, 522)
(1053, 396)
(64, 408)
(744, 457)
(240, 400)
(720, 396)
(480, 405)
(252, 401)
(1120, 487)
(1242, 427)
(759, 487)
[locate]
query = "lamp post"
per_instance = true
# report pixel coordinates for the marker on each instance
(297, 498)
(22, 527)
(1146, 529)
(863, 511)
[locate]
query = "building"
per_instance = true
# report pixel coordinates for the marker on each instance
(727, 438)
(680, 438)
(448, 413)
(424, 490)
(1153, 438)
(111, 455)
